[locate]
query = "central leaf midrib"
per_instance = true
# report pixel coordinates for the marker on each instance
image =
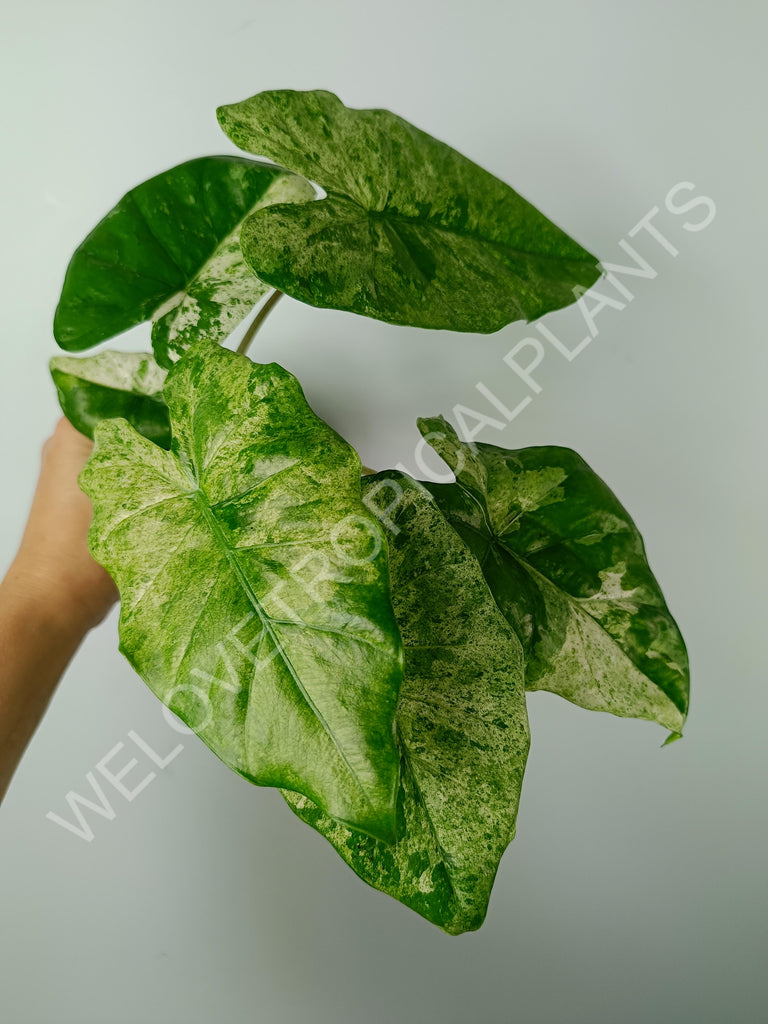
(435, 225)
(267, 622)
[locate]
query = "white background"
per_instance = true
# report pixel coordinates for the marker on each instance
(635, 890)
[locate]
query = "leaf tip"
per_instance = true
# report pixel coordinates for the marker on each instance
(433, 425)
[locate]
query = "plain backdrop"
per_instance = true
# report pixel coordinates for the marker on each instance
(636, 888)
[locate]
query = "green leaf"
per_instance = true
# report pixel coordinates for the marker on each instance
(410, 231)
(461, 720)
(170, 251)
(111, 384)
(254, 583)
(568, 569)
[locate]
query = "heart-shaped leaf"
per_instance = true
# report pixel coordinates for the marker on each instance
(170, 251)
(568, 569)
(254, 583)
(410, 231)
(461, 723)
(111, 384)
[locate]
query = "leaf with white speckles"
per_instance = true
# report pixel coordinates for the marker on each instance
(568, 569)
(410, 231)
(169, 251)
(112, 384)
(461, 723)
(254, 583)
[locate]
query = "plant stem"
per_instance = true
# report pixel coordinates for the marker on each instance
(258, 320)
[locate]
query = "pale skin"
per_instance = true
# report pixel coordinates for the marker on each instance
(52, 595)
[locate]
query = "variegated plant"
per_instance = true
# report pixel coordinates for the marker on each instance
(365, 645)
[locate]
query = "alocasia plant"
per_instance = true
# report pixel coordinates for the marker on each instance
(362, 644)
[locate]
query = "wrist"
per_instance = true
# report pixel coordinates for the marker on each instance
(47, 597)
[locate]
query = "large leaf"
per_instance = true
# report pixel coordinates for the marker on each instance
(170, 251)
(462, 726)
(111, 384)
(254, 583)
(410, 231)
(568, 569)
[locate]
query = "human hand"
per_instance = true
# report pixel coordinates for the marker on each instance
(53, 559)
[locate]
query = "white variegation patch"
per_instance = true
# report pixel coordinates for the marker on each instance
(592, 671)
(528, 490)
(611, 589)
(225, 289)
(136, 372)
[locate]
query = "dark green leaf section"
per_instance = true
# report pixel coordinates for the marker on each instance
(254, 585)
(461, 720)
(568, 569)
(170, 251)
(410, 231)
(113, 384)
